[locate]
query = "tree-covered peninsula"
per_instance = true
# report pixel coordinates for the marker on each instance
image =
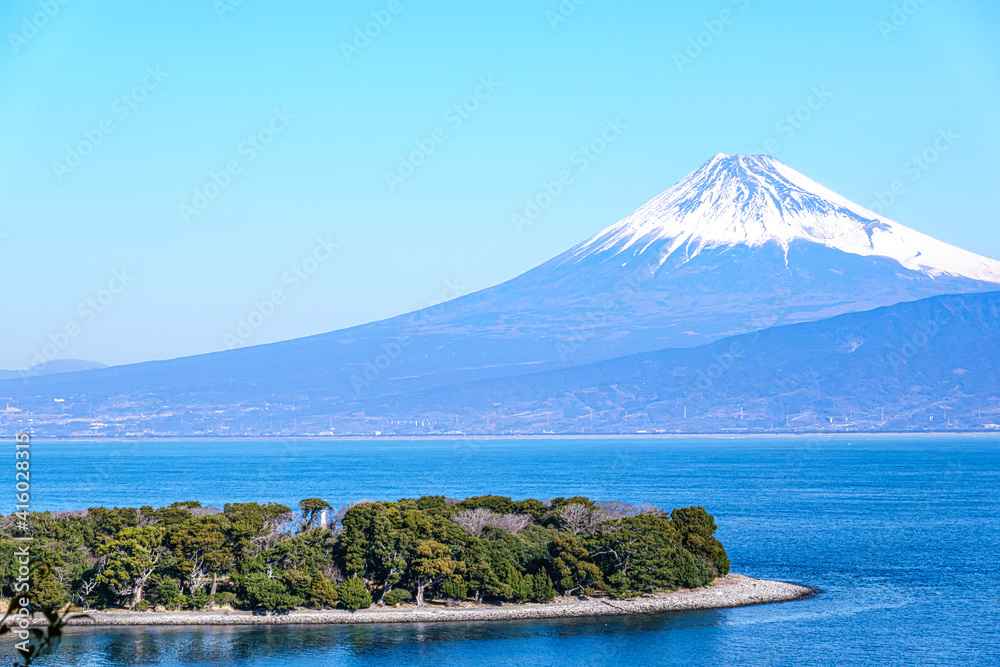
(485, 549)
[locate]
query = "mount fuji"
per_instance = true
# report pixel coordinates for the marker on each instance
(754, 201)
(742, 244)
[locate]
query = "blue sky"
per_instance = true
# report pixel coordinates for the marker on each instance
(300, 132)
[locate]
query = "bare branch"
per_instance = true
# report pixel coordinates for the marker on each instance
(512, 522)
(197, 578)
(580, 519)
(616, 509)
(473, 521)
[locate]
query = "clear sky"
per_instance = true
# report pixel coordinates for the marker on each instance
(116, 113)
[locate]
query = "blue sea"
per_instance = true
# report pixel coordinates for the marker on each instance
(902, 535)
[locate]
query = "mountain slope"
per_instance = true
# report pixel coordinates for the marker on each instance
(899, 367)
(918, 366)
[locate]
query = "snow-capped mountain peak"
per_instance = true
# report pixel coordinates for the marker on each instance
(753, 200)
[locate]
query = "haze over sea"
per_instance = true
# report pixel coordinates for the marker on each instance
(901, 534)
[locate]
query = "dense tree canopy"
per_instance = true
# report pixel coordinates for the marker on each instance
(696, 528)
(255, 556)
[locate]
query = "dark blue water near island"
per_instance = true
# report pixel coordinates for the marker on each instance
(901, 534)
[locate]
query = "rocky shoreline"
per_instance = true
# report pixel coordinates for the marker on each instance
(733, 590)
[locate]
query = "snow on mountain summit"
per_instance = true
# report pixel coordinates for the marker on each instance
(753, 200)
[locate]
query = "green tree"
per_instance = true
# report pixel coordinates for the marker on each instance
(455, 588)
(111, 521)
(398, 596)
(110, 556)
(202, 543)
(432, 565)
(575, 572)
(432, 504)
(167, 592)
(249, 524)
(199, 599)
(268, 593)
(644, 553)
(536, 509)
(312, 508)
(323, 593)
(696, 528)
(376, 541)
(355, 537)
(542, 588)
(46, 591)
(479, 571)
(312, 549)
(132, 557)
(173, 515)
(513, 584)
(496, 504)
(354, 594)
(297, 582)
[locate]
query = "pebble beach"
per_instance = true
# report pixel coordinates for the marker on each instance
(733, 590)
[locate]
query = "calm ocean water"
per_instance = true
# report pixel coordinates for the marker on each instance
(901, 534)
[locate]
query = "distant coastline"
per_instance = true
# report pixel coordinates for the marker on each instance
(733, 590)
(531, 436)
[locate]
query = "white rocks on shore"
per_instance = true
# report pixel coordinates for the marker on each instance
(733, 590)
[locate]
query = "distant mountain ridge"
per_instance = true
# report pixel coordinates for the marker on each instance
(897, 368)
(54, 366)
